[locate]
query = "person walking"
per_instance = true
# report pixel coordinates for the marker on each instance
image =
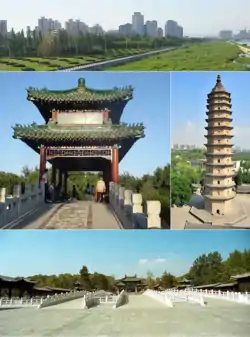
(100, 189)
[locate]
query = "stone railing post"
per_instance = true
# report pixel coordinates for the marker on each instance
(17, 192)
(153, 214)
(2, 206)
(3, 194)
(121, 196)
(137, 203)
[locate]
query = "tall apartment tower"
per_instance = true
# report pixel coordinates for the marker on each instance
(219, 177)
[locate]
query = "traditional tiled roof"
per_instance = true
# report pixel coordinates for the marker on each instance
(80, 94)
(240, 276)
(131, 279)
(56, 132)
(218, 88)
(15, 279)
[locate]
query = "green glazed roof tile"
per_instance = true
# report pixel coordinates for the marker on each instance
(54, 132)
(80, 94)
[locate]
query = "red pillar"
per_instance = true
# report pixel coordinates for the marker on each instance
(42, 162)
(115, 165)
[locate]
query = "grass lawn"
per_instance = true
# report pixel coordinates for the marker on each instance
(207, 56)
(56, 63)
(245, 60)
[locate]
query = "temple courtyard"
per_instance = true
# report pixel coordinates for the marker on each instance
(142, 316)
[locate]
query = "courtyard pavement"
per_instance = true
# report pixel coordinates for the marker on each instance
(141, 317)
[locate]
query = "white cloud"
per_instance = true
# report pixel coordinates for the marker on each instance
(151, 262)
(143, 261)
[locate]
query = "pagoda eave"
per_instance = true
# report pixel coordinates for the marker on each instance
(218, 145)
(220, 175)
(212, 154)
(221, 111)
(218, 119)
(220, 187)
(220, 198)
(219, 164)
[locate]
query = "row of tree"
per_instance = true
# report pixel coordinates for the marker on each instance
(34, 44)
(152, 187)
(206, 269)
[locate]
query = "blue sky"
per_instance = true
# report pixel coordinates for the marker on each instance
(188, 105)
(196, 16)
(24, 253)
(149, 106)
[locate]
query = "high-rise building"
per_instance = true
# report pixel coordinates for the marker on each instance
(219, 183)
(226, 34)
(3, 27)
(138, 23)
(151, 28)
(126, 30)
(171, 28)
(179, 32)
(159, 32)
(46, 25)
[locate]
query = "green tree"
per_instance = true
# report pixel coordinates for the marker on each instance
(85, 278)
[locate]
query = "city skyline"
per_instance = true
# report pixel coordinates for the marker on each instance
(129, 252)
(140, 109)
(205, 14)
(193, 87)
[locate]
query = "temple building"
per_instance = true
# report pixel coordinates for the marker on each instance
(184, 283)
(219, 177)
(131, 284)
(82, 131)
(25, 287)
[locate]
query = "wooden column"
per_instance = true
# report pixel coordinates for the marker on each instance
(42, 162)
(115, 165)
(65, 182)
(60, 178)
(53, 174)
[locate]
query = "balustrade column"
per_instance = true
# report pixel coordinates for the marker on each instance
(115, 164)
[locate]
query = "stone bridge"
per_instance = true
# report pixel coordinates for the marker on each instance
(124, 211)
(142, 315)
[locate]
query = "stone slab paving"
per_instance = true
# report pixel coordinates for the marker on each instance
(217, 319)
(73, 215)
(83, 215)
(103, 217)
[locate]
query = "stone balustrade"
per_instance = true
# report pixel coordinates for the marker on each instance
(127, 205)
(21, 302)
(121, 299)
(19, 204)
(184, 296)
(92, 299)
(243, 298)
(160, 296)
(61, 298)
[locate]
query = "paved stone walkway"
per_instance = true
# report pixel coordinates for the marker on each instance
(83, 215)
(217, 319)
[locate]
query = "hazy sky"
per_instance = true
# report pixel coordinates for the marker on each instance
(25, 253)
(188, 105)
(149, 106)
(198, 17)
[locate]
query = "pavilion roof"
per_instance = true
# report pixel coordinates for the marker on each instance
(15, 279)
(80, 94)
(131, 279)
(240, 276)
(54, 132)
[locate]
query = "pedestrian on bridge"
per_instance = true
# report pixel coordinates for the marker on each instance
(100, 190)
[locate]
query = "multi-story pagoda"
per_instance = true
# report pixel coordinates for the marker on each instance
(219, 176)
(82, 130)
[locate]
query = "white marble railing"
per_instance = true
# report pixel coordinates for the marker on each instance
(183, 296)
(61, 298)
(16, 206)
(129, 210)
(21, 302)
(218, 294)
(121, 299)
(159, 296)
(94, 298)
(108, 299)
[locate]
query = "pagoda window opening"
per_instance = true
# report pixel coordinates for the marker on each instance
(218, 182)
(218, 123)
(218, 211)
(218, 161)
